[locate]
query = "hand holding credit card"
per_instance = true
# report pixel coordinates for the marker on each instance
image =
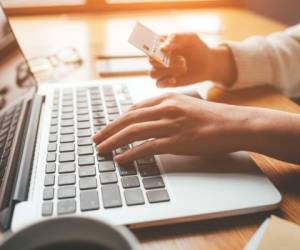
(149, 42)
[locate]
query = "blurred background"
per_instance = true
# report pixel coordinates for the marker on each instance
(286, 11)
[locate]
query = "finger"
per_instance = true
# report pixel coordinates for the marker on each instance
(152, 147)
(166, 82)
(147, 103)
(178, 42)
(158, 73)
(135, 116)
(135, 132)
(192, 93)
(156, 64)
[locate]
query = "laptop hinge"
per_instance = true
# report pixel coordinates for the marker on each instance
(26, 161)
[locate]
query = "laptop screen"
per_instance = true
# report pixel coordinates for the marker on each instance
(15, 75)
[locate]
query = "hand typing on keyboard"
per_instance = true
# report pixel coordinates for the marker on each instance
(177, 124)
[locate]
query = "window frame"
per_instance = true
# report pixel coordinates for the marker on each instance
(103, 6)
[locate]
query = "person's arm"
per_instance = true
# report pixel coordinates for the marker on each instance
(184, 125)
(272, 60)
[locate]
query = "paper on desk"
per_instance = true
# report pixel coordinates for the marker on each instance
(276, 234)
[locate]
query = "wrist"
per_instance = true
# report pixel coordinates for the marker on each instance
(222, 66)
(249, 129)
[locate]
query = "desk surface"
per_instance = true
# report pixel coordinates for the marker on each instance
(104, 33)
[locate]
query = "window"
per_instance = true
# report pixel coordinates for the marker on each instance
(62, 6)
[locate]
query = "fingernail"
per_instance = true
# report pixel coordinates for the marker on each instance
(118, 159)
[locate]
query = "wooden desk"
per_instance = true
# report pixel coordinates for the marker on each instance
(92, 34)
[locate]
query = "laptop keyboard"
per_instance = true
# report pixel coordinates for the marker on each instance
(8, 125)
(77, 178)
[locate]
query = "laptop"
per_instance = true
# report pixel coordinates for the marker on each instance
(49, 166)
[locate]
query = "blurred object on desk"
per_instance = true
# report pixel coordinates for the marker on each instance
(108, 66)
(275, 234)
(54, 67)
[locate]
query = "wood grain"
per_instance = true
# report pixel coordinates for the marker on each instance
(92, 33)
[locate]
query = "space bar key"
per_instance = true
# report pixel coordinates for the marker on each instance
(111, 196)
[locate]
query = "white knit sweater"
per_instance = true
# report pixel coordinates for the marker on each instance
(273, 60)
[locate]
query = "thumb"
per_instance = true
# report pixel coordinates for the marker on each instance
(178, 41)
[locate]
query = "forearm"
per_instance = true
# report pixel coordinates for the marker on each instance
(273, 133)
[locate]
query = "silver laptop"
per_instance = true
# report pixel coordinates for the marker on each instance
(49, 166)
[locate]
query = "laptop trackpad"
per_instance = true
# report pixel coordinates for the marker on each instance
(239, 162)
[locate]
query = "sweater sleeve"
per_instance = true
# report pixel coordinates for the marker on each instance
(272, 60)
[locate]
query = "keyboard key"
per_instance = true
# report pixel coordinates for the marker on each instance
(82, 141)
(106, 166)
(67, 116)
(153, 182)
(149, 160)
(83, 118)
(66, 168)
(50, 168)
(66, 207)
(54, 121)
(113, 117)
(134, 197)
(67, 109)
(130, 181)
(67, 123)
(83, 125)
(85, 150)
(89, 200)
(82, 105)
(122, 149)
(49, 180)
(84, 132)
(52, 147)
(127, 169)
(112, 107)
(67, 147)
(86, 160)
(87, 171)
(97, 128)
(149, 170)
(67, 130)
(47, 208)
(108, 178)
(51, 157)
(111, 196)
(158, 196)
(66, 157)
(82, 112)
(97, 108)
(106, 157)
(48, 193)
(66, 192)
(68, 102)
(113, 110)
(87, 183)
(97, 115)
(66, 179)
(82, 99)
(67, 138)
(99, 122)
(54, 114)
(53, 129)
(53, 138)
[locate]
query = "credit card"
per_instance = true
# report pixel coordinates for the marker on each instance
(149, 42)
